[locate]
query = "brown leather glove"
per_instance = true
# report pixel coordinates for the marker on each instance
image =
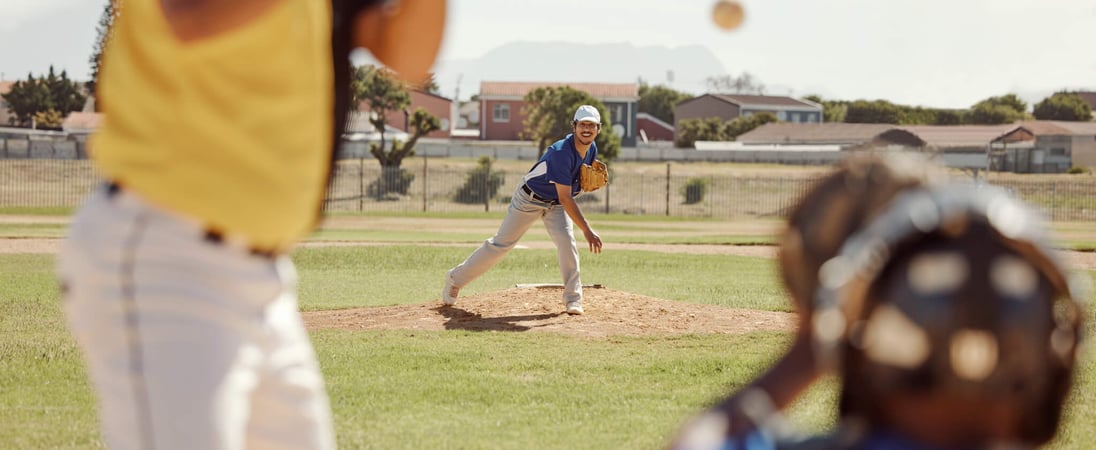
(594, 176)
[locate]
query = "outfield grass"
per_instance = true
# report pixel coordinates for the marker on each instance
(459, 388)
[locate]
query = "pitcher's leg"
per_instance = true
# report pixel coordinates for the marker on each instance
(561, 229)
(519, 217)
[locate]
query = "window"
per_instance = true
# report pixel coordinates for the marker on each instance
(1057, 152)
(501, 113)
(617, 114)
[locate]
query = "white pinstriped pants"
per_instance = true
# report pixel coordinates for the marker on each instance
(189, 344)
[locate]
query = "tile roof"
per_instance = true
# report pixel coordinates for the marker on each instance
(1074, 128)
(598, 90)
(813, 133)
(5, 86)
(958, 135)
(941, 136)
(763, 100)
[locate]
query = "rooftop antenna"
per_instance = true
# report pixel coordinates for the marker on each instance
(456, 93)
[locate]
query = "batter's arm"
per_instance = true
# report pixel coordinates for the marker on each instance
(572, 209)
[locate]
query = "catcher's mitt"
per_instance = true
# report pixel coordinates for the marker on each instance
(593, 176)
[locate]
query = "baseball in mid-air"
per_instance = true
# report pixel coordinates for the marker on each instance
(727, 14)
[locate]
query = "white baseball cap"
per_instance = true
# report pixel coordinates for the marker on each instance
(587, 113)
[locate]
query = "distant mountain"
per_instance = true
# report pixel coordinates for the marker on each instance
(683, 68)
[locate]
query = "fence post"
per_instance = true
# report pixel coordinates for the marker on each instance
(606, 198)
(484, 189)
(1054, 200)
(667, 189)
(361, 184)
(425, 185)
(711, 196)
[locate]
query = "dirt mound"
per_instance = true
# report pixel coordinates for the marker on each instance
(608, 313)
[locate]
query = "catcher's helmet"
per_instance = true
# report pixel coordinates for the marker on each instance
(838, 205)
(952, 289)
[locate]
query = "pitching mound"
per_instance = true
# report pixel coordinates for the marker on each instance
(540, 309)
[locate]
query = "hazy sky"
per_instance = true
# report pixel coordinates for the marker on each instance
(940, 53)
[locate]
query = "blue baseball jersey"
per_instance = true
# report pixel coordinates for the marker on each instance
(559, 165)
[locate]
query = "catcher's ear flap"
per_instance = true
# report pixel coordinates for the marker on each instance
(404, 35)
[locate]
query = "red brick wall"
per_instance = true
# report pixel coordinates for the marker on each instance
(502, 131)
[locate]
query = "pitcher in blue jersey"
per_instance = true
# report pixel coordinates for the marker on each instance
(547, 192)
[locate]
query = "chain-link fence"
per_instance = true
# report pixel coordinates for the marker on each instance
(362, 185)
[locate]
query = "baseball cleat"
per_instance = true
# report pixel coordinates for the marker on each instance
(575, 309)
(449, 293)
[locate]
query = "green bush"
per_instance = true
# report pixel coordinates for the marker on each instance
(481, 184)
(393, 180)
(1077, 170)
(695, 189)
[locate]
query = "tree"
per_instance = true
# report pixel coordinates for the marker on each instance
(833, 111)
(659, 101)
(1066, 106)
(430, 84)
(742, 84)
(548, 114)
(27, 98)
(742, 125)
(997, 110)
(65, 95)
(106, 20)
(988, 114)
(383, 92)
(949, 117)
(692, 130)
(878, 111)
(1011, 101)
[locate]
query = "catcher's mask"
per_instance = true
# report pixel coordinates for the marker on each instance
(952, 289)
(838, 205)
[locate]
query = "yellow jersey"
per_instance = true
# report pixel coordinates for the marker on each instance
(233, 130)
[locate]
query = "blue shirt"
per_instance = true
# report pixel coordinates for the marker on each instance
(559, 165)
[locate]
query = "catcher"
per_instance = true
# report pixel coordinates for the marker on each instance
(547, 192)
(944, 313)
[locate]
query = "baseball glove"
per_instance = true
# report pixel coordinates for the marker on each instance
(593, 176)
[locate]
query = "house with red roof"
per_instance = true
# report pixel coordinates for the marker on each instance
(502, 107)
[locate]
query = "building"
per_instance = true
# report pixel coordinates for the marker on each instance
(79, 123)
(6, 116)
(1022, 147)
(733, 106)
(1045, 146)
(653, 129)
(502, 107)
(439, 106)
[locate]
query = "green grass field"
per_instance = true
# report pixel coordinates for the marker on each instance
(464, 389)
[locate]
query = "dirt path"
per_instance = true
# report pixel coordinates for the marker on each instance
(609, 312)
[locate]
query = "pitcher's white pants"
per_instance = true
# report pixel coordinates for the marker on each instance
(523, 212)
(189, 344)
